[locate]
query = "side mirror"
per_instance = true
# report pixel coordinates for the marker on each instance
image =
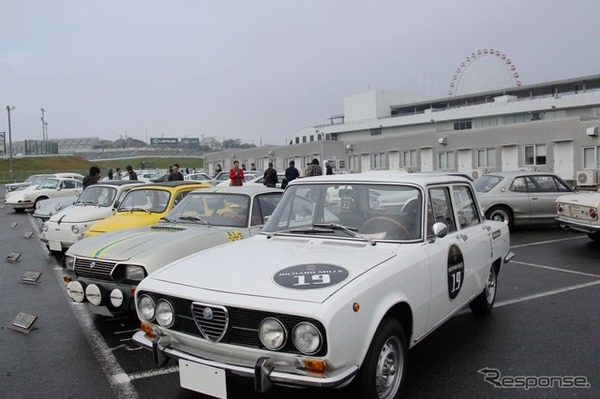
(439, 230)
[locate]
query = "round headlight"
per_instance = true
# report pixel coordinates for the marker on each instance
(116, 297)
(307, 338)
(75, 229)
(272, 333)
(165, 316)
(76, 291)
(146, 307)
(93, 293)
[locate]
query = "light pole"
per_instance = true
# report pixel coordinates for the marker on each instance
(43, 131)
(46, 138)
(10, 159)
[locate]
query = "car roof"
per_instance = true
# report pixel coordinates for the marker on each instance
(249, 189)
(118, 182)
(177, 183)
(510, 173)
(385, 176)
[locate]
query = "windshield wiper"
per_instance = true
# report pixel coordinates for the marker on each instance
(90, 203)
(302, 230)
(352, 231)
(133, 209)
(195, 219)
(168, 219)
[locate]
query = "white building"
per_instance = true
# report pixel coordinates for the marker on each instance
(550, 126)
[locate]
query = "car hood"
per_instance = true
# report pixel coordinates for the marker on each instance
(123, 220)
(78, 214)
(275, 268)
(145, 241)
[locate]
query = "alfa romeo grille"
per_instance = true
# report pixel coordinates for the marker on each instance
(211, 320)
(94, 268)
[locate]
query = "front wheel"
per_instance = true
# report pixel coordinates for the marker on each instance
(484, 302)
(382, 373)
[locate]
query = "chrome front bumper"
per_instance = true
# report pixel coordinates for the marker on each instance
(264, 372)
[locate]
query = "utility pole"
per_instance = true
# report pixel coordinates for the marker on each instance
(10, 158)
(43, 132)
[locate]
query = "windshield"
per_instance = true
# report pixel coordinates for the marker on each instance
(367, 211)
(149, 200)
(97, 195)
(485, 183)
(214, 209)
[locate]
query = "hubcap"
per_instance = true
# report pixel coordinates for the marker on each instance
(389, 368)
(490, 286)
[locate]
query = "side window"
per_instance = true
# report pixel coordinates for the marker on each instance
(68, 184)
(466, 210)
(519, 185)
(442, 207)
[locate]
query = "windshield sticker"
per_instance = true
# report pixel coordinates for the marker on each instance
(310, 276)
(456, 271)
(234, 235)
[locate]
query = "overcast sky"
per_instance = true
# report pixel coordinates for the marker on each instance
(262, 69)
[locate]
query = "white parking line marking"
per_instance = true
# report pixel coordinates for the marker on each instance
(531, 244)
(122, 387)
(556, 269)
(153, 373)
(544, 294)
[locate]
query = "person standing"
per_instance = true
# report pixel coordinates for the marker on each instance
(131, 173)
(252, 166)
(93, 177)
(110, 174)
(270, 176)
(236, 175)
(291, 173)
(218, 169)
(314, 169)
(328, 168)
(176, 174)
(117, 174)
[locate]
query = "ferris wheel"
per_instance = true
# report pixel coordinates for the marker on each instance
(483, 70)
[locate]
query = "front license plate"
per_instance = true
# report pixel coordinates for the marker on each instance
(55, 245)
(203, 379)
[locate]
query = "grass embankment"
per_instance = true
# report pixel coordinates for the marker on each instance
(27, 166)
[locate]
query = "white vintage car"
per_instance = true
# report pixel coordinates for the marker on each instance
(104, 269)
(50, 187)
(95, 203)
(579, 213)
(328, 293)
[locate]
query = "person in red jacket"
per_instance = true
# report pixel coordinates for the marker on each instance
(236, 175)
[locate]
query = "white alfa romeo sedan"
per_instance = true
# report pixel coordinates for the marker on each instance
(95, 203)
(328, 293)
(103, 270)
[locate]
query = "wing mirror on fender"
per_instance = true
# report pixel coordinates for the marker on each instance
(439, 230)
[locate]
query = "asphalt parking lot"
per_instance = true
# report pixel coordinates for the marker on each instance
(544, 331)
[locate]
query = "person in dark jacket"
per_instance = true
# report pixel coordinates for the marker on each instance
(176, 173)
(328, 169)
(270, 176)
(291, 173)
(92, 178)
(131, 173)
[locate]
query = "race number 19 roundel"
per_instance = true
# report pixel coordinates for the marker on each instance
(456, 271)
(310, 276)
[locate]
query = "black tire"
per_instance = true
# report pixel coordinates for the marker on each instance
(484, 303)
(594, 236)
(19, 210)
(500, 213)
(383, 371)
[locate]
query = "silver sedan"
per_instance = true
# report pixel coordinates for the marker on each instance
(520, 197)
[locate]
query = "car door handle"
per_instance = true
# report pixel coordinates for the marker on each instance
(464, 237)
(535, 198)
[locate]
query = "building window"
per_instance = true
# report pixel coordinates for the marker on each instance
(297, 140)
(375, 132)
(304, 139)
(333, 136)
(312, 138)
(354, 163)
(379, 161)
(319, 137)
(446, 160)
(462, 125)
(591, 160)
(327, 136)
(486, 158)
(535, 154)
(409, 159)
